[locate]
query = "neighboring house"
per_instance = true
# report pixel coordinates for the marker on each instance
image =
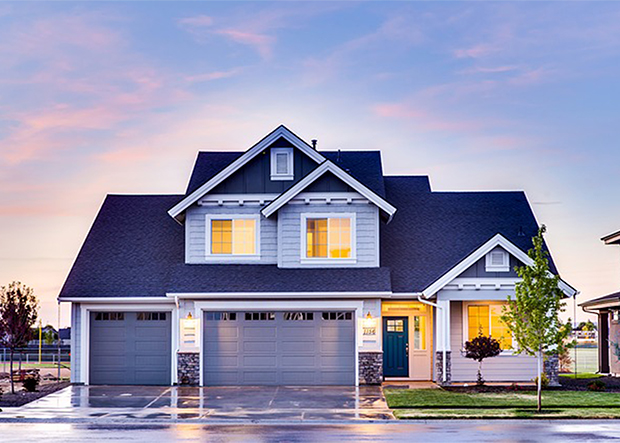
(65, 336)
(285, 265)
(608, 310)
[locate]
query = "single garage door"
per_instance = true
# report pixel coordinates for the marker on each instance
(279, 348)
(130, 348)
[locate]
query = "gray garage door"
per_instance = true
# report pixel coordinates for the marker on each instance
(130, 348)
(279, 348)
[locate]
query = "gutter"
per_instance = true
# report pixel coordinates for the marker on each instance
(435, 305)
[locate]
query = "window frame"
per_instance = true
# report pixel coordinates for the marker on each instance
(304, 259)
(290, 174)
(232, 257)
(465, 314)
(488, 262)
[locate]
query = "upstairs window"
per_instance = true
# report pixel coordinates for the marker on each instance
(232, 236)
(282, 164)
(497, 261)
(329, 237)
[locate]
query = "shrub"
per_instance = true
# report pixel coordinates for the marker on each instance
(596, 385)
(544, 381)
(31, 382)
(478, 349)
(514, 387)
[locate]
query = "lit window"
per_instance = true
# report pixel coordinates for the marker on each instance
(233, 237)
(486, 319)
(328, 237)
(282, 164)
(419, 332)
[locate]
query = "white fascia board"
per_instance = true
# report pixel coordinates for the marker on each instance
(612, 238)
(496, 240)
(327, 166)
(280, 131)
(276, 295)
(113, 300)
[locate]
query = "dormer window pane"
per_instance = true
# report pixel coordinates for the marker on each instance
(328, 238)
(233, 236)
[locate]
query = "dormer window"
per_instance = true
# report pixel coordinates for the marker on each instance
(497, 261)
(282, 164)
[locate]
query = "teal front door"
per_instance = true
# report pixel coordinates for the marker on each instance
(395, 347)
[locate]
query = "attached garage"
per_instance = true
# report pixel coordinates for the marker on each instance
(130, 348)
(279, 348)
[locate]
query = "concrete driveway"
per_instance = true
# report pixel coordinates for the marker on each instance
(173, 404)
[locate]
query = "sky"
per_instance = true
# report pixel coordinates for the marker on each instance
(118, 97)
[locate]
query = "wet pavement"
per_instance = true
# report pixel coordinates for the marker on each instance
(453, 431)
(101, 404)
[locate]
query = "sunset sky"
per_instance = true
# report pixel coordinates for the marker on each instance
(107, 97)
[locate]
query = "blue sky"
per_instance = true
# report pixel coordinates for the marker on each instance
(113, 97)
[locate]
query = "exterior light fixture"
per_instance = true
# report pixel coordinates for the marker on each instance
(189, 333)
(370, 324)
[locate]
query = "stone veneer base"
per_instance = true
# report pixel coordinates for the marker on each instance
(439, 367)
(371, 368)
(188, 368)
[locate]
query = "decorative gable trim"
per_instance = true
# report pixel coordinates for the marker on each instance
(281, 131)
(612, 239)
(328, 166)
(495, 241)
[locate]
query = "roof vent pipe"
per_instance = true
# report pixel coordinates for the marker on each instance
(314, 142)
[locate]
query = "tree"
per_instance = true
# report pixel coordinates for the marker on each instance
(479, 348)
(533, 314)
(18, 313)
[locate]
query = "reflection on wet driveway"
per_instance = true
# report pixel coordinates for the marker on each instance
(211, 403)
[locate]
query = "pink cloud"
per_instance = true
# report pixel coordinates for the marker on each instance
(424, 120)
(263, 44)
(197, 21)
(210, 76)
(477, 51)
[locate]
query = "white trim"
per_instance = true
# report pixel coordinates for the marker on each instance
(290, 173)
(85, 310)
(612, 238)
(489, 266)
(304, 216)
(280, 131)
(305, 198)
(277, 295)
(327, 166)
(496, 240)
(465, 321)
(482, 283)
(349, 305)
(209, 256)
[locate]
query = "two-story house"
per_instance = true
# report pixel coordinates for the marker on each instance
(607, 309)
(288, 265)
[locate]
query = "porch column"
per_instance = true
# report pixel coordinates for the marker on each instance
(442, 346)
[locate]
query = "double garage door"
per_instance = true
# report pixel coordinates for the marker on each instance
(240, 348)
(279, 348)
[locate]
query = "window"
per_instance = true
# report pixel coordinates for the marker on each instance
(497, 261)
(329, 237)
(395, 326)
(486, 319)
(298, 316)
(221, 316)
(150, 316)
(282, 164)
(257, 316)
(110, 316)
(232, 236)
(419, 332)
(336, 315)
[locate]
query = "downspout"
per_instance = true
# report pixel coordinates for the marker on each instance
(435, 305)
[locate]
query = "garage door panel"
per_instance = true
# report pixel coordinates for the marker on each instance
(280, 348)
(223, 332)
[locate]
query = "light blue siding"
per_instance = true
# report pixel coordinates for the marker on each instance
(76, 347)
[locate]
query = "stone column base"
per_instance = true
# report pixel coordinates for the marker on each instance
(188, 368)
(551, 367)
(439, 368)
(371, 368)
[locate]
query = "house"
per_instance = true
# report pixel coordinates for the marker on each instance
(289, 265)
(607, 308)
(65, 336)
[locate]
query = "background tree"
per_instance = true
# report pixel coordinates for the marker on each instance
(49, 336)
(533, 315)
(18, 313)
(479, 348)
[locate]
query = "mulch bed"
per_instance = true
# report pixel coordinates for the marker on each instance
(612, 384)
(22, 397)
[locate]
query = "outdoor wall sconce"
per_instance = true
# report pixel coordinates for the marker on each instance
(189, 333)
(370, 324)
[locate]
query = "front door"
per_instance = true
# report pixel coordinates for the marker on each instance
(395, 347)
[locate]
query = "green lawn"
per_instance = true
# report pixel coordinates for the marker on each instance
(439, 403)
(582, 375)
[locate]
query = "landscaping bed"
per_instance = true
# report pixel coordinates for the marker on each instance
(21, 397)
(499, 402)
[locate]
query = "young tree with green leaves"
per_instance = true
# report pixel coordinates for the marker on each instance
(533, 314)
(18, 313)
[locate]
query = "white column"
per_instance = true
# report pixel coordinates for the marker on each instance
(443, 325)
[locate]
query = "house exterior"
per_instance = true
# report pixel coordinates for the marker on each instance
(288, 265)
(607, 308)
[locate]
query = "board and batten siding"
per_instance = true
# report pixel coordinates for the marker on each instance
(290, 235)
(506, 368)
(76, 346)
(195, 231)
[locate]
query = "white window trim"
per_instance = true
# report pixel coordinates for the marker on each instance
(326, 260)
(465, 315)
(290, 155)
(504, 267)
(231, 257)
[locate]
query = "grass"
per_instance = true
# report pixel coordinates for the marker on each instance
(442, 404)
(64, 364)
(583, 375)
